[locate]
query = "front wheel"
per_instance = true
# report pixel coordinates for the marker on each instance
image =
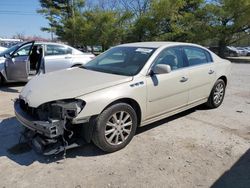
(1, 80)
(217, 94)
(115, 127)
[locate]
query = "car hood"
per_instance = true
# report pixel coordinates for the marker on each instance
(66, 84)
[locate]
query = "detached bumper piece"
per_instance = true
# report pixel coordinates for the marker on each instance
(47, 137)
(46, 146)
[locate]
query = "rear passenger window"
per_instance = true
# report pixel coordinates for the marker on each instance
(171, 57)
(57, 50)
(197, 56)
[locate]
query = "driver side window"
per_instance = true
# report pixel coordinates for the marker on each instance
(171, 57)
(23, 51)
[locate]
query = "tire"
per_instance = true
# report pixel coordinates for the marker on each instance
(1, 80)
(217, 94)
(112, 134)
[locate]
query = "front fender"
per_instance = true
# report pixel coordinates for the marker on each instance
(97, 101)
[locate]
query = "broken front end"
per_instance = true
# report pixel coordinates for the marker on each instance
(51, 127)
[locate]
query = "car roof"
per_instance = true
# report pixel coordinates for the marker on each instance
(49, 43)
(40, 43)
(156, 44)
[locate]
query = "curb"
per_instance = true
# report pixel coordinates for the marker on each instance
(239, 60)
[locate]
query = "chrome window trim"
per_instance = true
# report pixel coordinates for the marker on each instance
(205, 51)
(181, 48)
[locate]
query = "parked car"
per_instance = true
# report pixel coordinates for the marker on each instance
(2, 49)
(24, 60)
(233, 51)
(247, 50)
(229, 51)
(242, 51)
(128, 86)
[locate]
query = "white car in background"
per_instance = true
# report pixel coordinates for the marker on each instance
(242, 51)
(128, 86)
(24, 60)
(233, 51)
(248, 50)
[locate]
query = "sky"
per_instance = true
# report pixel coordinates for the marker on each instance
(20, 16)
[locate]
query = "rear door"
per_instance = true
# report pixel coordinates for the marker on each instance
(201, 73)
(57, 57)
(17, 66)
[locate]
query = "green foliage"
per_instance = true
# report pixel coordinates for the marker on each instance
(62, 16)
(227, 19)
(219, 22)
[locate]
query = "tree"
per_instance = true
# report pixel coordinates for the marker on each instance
(178, 20)
(103, 28)
(95, 24)
(61, 15)
(110, 22)
(167, 20)
(227, 20)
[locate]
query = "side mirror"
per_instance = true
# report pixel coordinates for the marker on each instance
(161, 69)
(7, 56)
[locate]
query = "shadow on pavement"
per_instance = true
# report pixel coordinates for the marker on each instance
(9, 87)
(166, 120)
(237, 176)
(22, 153)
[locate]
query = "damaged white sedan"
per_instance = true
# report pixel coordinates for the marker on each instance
(128, 86)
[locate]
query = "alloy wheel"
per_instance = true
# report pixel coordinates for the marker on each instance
(218, 93)
(118, 128)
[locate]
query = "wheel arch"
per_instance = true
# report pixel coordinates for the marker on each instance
(133, 103)
(2, 78)
(76, 65)
(89, 130)
(224, 78)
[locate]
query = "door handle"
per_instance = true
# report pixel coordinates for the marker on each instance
(210, 72)
(183, 79)
(68, 57)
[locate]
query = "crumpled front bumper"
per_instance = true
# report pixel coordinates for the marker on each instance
(50, 129)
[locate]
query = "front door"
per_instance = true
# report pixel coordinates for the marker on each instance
(17, 65)
(168, 92)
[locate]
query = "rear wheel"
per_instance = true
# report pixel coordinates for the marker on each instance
(115, 127)
(217, 94)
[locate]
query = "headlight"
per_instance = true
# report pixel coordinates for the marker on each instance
(68, 108)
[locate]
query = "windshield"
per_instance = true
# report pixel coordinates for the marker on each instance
(126, 61)
(10, 50)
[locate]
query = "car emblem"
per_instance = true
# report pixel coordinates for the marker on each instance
(137, 84)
